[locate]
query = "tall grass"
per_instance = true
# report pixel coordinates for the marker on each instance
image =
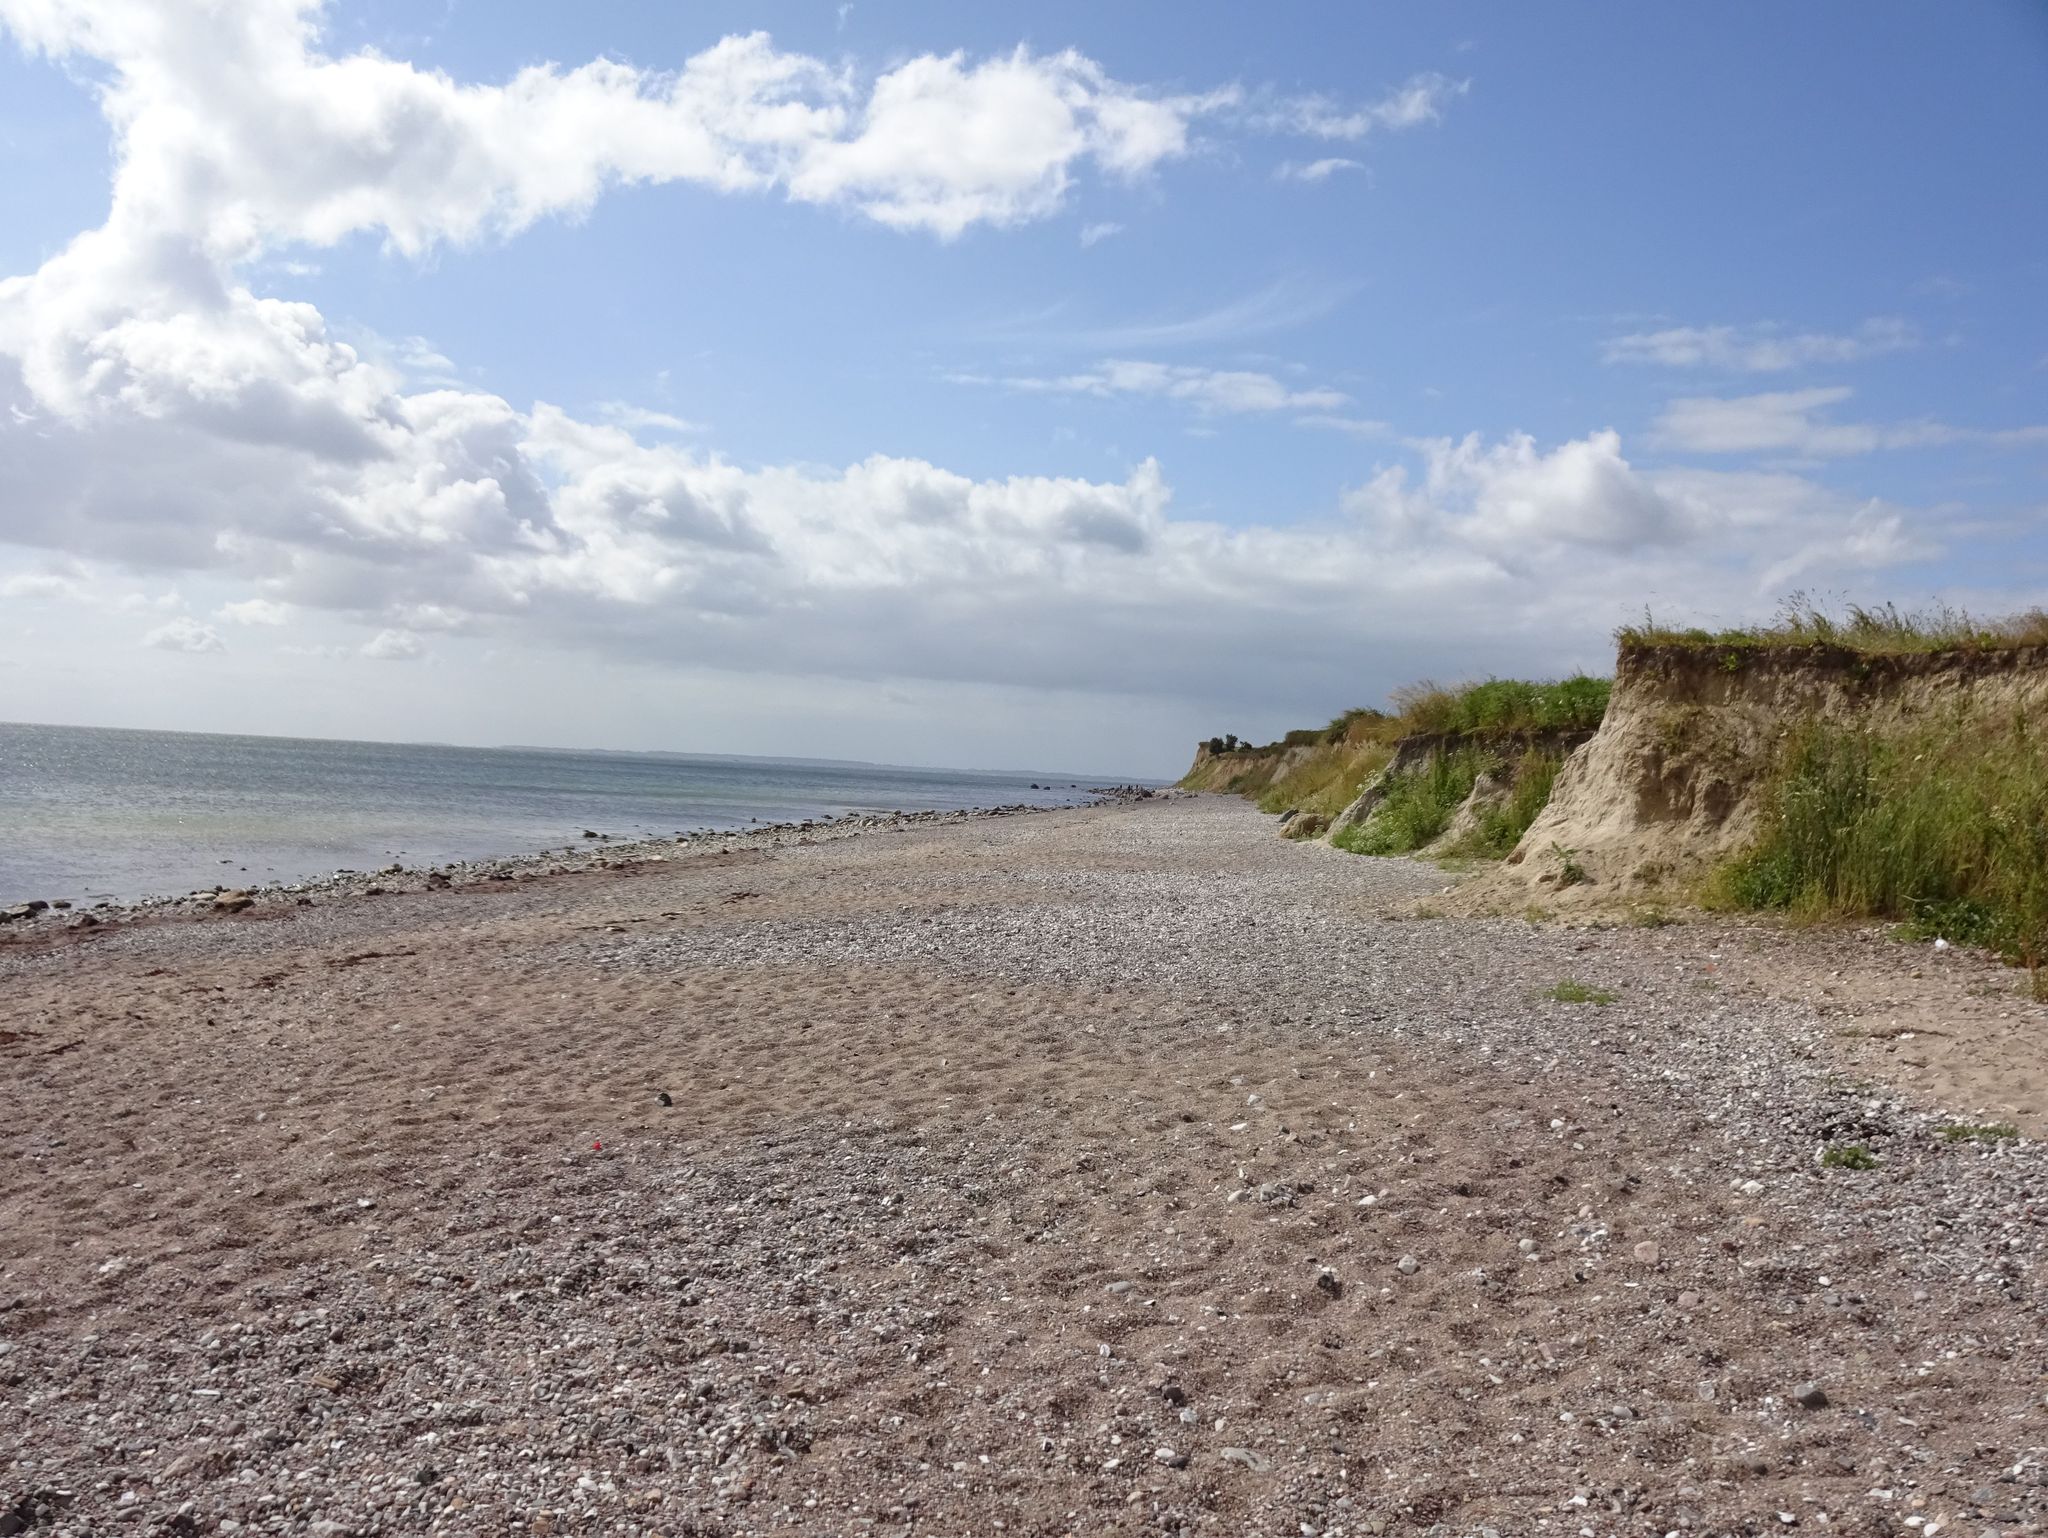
(1504, 705)
(1943, 825)
(1883, 629)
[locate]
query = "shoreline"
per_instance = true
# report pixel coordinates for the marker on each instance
(42, 918)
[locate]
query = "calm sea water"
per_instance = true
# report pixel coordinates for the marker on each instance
(88, 813)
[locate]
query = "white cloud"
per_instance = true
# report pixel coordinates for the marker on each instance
(1095, 234)
(185, 635)
(145, 603)
(1791, 422)
(1356, 427)
(1778, 422)
(238, 131)
(1510, 496)
(1206, 389)
(640, 419)
(1421, 99)
(41, 585)
(254, 611)
(1279, 306)
(1315, 170)
(1760, 349)
(394, 646)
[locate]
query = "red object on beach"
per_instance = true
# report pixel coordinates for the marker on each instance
(597, 1144)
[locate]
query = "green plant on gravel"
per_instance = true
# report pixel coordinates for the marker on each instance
(1569, 871)
(1940, 824)
(1987, 1132)
(1568, 991)
(1849, 1156)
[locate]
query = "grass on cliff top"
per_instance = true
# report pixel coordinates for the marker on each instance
(1504, 705)
(1942, 825)
(1884, 630)
(1496, 705)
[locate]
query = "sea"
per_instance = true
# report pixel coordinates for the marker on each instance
(93, 814)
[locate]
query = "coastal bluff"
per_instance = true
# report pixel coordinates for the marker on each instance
(1674, 781)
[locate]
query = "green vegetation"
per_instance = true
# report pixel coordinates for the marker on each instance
(1503, 705)
(1325, 783)
(1497, 706)
(1318, 772)
(1942, 825)
(1569, 871)
(1419, 805)
(1987, 1132)
(1569, 992)
(1849, 1156)
(1885, 630)
(1500, 827)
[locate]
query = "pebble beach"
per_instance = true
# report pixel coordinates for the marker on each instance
(1114, 1170)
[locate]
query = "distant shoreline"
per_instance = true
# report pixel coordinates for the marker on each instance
(675, 755)
(43, 918)
(116, 815)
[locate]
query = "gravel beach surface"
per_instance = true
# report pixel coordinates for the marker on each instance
(1124, 1170)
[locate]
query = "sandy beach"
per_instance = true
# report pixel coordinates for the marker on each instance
(1119, 1170)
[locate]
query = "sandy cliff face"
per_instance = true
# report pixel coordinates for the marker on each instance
(1672, 782)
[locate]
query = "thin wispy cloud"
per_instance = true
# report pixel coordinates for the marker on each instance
(1315, 170)
(1354, 427)
(1799, 424)
(1421, 99)
(1219, 391)
(637, 419)
(1278, 307)
(1761, 349)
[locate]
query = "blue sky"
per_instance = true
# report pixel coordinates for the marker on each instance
(1429, 340)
